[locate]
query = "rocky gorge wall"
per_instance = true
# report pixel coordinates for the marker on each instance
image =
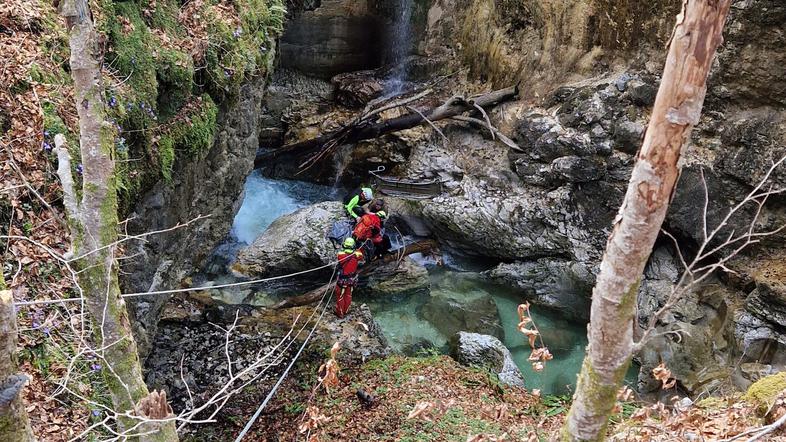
(211, 187)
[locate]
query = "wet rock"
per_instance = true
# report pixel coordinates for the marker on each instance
(577, 169)
(196, 347)
(209, 185)
(485, 220)
(544, 138)
(453, 311)
(759, 339)
(536, 174)
(395, 279)
(686, 209)
(642, 93)
(768, 299)
(389, 151)
(694, 338)
(293, 242)
(480, 350)
(560, 284)
(193, 353)
(753, 371)
(338, 36)
(360, 336)
(356, 89)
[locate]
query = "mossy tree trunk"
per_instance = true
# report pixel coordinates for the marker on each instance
(14, 424)
(677, 109)
(93, 222)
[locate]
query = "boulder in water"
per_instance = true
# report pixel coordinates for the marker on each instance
(392, 279)
(293, 242)
(557, 283)
(452, 311)
(479, 350)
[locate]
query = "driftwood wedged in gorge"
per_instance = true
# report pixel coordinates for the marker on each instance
(315, 295)
(364, 128)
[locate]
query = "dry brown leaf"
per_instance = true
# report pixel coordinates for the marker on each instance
(421, 410)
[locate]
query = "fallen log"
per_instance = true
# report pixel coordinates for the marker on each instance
(315, 295)
(366, 127)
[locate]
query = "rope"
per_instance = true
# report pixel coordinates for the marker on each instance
(189, 289)
(283, 376)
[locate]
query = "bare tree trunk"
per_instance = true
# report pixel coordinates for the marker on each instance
(93, 223)
(677, 109)
(14, 424)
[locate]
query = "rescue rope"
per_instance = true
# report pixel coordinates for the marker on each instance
(283, 376)
(188, 289)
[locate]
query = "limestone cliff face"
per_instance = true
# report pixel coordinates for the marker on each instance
(337, 36)
(209, 185)
(547, 43)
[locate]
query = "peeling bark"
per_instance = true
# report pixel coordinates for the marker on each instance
(93, 222)
(14, 423)
(677, 109)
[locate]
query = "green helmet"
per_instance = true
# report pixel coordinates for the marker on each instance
(349, 243)
(382, 215)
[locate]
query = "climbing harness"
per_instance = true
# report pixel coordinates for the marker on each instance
(403, 188)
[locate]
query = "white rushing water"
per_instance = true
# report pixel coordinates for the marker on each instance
(400, 47)
(266, 199)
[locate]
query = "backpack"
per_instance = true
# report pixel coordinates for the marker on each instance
(341, 230)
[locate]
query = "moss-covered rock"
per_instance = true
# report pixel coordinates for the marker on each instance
(765, 391)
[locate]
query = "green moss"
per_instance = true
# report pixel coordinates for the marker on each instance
(53, 124)
(600, 396)
(131, 51)
(166, 157)
(176, 80)
(164, 17)
(192, 135)
(245, 51)
(765, 391)
(712, 403)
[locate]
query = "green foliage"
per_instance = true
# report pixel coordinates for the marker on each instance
(131, 51)
(52, 122)
(555, 404)
(626, 411)
(295, 408)
(454, 425)
(398, 368)
(164, 17)
(176, 80)
(153, 82)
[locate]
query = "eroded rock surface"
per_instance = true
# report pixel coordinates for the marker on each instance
(293, 242)
(486, 351)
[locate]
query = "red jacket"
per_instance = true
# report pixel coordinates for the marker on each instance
(369, 227)
(348, 262)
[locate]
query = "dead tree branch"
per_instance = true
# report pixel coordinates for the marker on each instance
(367, 128)
(494, 131)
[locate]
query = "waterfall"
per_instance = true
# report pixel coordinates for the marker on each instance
(401, 44)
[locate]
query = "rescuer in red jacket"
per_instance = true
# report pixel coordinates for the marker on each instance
(369, 226)
(348, 261)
